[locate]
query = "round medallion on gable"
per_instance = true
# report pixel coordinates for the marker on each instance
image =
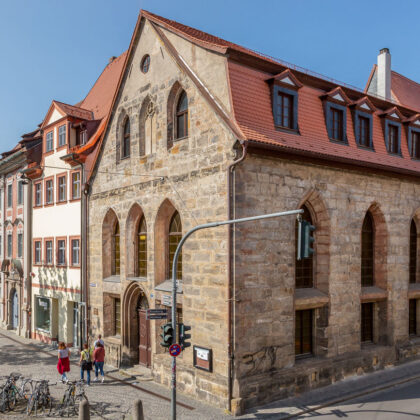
(145, 63)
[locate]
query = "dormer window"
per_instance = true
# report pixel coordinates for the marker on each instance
(83, 137)
(415, 144)
(392, 130)
(337, 124)
(49, 142)
(362, 111)
(413, 135)
(285, 100)
(364, 131)
(393, 140)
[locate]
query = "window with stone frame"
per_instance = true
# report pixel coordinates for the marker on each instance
(142, 249)
(20, 193)
(49, 252)
(38, 194)
(367, 254)
(412, 317)
(49, 142)
(62, 188)
(9, 195)
(175, 236)
(125, 149)
(117, 316)
(304, 333)
(9, 245)
(49, 191)
(413, 252)
(75, 185)
(75, 252)
(304, 268)
(116, 250)
(61, 252)
(62, 135)
(366, 327)
(182, 116)
(37, 252)
(20, 245)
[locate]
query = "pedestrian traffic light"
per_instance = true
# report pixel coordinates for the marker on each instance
(167, 335)
(305, 240)
(183, 337)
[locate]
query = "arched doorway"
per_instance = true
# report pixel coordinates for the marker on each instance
(15, 309)
(136, 328)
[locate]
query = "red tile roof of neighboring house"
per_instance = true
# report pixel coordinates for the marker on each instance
(405, 91)
(74, 111)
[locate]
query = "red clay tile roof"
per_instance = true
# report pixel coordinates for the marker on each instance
(74, 111)
(405, 91)
(253, 111)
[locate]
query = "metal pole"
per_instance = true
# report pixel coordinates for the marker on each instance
(174, 266)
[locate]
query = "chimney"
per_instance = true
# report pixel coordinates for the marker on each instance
(384, 73)
(113, 58)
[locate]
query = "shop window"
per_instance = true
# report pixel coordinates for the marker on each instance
(303, 332)
(43, 313)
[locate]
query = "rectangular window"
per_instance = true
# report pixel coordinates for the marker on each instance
(42, 313)
(61, 252)
(37, 251)
(20, 192)
(75, 185)
(337, 124)
(20, 245)
(9, 195)
(393, 144)
(75, 252)
(415, 144)
(49, 141)
(117, 316)
(303, 332)
(49, 191)
(38, 194)
(49, 252)
(364, 131)
(9, 245)
(62, 190)
(61, 135)
(285, 110)
(412, 317)
(367, 322)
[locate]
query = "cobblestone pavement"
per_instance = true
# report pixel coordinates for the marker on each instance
(110, 400)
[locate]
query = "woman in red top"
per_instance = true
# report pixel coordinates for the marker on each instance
(63, 364)
(99, 358)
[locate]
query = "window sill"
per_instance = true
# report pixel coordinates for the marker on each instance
(75, 266)
(48, 204)
(287, 130)
(139, 279)
(373, 294)
(399, 155)
(310, 298)
(166, 286)
(343, 142)
(112, 279)
(414, 290)
(74, 199)
(367, 148)
(59, 203)
(125, 157)
(301, 358)
(180, 138)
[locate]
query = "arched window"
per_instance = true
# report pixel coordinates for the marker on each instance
(304, 267)
(142, 249)
(175, 235)
(367, 260)
(126, 139)
(182, 116)
(116, 250)
(413, 251)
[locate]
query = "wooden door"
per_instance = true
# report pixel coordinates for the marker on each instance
(145, 350)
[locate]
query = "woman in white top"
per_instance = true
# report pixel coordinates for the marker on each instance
(63, 364)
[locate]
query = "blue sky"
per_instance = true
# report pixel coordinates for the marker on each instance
(51, 49)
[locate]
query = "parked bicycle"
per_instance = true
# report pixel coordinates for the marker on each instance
(73, 395)
(40, 399)
(15, 389)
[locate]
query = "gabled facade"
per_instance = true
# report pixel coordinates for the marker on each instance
(202, 130)
(70, 135)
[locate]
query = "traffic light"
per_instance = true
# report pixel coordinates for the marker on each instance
(167, 335)
(183, 336)
(305, 240)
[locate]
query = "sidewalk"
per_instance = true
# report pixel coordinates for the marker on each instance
(346, 389)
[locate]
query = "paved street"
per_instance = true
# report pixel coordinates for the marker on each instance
(111, 400)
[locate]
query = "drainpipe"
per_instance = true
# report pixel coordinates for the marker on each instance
(231, 200)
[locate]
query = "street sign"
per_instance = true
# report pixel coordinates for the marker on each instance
(175, 350)
(156, 314)
(167, 300)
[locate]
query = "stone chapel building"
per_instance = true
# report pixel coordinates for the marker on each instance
(203, 130)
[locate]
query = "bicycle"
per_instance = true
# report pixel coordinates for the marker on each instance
(40, 399)
(11, 392)
(72, 397)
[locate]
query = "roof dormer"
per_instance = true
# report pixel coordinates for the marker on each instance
(391, 125)
(336, 95)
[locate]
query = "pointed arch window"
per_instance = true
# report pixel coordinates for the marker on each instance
(126, 139)
(304, 268)
(413, 252)
(175, 235)
(142, 249)
(116, 250)
(367, 260)
(182, 116)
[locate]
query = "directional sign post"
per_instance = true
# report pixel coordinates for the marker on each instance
(156, 313)
(175, 350)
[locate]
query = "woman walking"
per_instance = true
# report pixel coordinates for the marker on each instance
(85, 363)
(99, 358)
(63, 364)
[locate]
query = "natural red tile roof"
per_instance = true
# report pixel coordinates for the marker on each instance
(74, 111)
(405, 91)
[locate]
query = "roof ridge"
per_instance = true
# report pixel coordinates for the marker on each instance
(73, 106)
(405, 77)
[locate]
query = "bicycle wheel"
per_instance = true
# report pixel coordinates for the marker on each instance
(31, 405)
(67, 407)
(11, 398)
(46, 405)
(3, 401)
(26, 390)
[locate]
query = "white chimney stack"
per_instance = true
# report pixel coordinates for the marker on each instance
(384, 73)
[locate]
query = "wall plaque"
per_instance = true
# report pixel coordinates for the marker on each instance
(203, 358)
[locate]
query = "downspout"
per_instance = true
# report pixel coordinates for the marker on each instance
(28, 261)
(231, 200)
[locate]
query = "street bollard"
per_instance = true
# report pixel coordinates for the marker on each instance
(84, 413)
(138, 410)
